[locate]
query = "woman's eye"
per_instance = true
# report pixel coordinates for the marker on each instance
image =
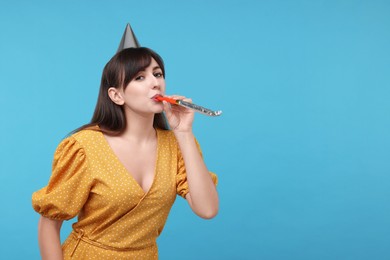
(158, 75)
(139, 77)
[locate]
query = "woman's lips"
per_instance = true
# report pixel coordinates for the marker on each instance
(157, 97)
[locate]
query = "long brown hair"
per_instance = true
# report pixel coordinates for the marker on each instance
(118, 72)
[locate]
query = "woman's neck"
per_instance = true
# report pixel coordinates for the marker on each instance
(139, 128)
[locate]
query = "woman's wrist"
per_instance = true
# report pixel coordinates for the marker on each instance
(184, 135)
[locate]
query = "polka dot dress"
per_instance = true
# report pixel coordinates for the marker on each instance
(116, 218)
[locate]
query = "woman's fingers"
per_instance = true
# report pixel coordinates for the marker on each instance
(172, 119)
(179, 118)
(167, 108)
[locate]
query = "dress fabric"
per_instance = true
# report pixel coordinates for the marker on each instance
(116, 218)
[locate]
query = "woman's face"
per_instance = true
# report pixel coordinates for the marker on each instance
(139, 93)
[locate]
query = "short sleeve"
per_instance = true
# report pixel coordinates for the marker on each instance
(181, 177)
(69, 184)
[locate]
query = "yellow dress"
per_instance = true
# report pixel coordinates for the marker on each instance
(116, 218)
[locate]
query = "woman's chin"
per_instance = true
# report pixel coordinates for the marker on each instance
(158, 110)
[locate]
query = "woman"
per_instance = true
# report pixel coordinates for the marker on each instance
(121, 172)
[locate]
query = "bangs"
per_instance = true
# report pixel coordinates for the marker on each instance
(134, 60)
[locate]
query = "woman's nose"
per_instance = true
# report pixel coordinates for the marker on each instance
(155, 83)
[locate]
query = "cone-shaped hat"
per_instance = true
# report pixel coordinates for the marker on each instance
(128, 39)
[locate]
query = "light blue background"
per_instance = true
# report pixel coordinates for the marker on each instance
(302, 149)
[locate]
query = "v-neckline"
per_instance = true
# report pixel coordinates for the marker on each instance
(128, 173)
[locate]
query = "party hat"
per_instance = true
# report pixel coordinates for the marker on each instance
(128, 39)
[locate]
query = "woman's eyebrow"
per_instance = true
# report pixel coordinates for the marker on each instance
(157, 67)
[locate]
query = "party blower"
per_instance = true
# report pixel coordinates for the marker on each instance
(186, 104)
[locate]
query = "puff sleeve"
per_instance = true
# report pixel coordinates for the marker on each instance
(181, 177)
(69, 184)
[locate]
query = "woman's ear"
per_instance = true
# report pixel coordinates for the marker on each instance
(116, 96)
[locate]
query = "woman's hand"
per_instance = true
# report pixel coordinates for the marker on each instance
(179, 118)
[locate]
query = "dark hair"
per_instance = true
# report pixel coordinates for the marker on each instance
(118, 72)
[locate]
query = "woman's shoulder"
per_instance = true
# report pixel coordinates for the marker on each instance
(86, 136)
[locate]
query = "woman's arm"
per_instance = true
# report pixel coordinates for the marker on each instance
(203, 196)
(49, 238)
